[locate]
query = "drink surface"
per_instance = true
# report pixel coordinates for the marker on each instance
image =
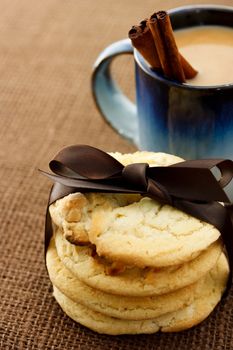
(210, 50)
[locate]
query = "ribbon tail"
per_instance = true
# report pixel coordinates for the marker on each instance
(217, 215)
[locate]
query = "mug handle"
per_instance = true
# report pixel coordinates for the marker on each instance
(114, 106)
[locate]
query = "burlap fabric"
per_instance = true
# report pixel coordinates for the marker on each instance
(47, 49)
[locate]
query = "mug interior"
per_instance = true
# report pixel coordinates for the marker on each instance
(193, 16)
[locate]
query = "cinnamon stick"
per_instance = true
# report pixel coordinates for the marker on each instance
(166, 28)
(160, 44)
(162, 32)
(142, 40)
(173, 53)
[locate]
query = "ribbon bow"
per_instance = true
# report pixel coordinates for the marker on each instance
(189, 185)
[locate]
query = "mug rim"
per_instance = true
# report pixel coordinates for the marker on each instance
(145, 67)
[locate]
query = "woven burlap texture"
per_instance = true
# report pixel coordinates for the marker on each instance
(47, 50)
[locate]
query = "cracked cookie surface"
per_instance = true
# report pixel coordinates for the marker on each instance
(146, 233)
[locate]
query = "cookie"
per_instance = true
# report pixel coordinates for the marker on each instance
(133, 281)
(175, 321)
(133, 230)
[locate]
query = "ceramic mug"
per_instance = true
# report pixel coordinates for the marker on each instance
(189, 121)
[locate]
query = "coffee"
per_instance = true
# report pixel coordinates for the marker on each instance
(210, 50)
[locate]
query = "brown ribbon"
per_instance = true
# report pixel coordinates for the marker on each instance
(189, 185)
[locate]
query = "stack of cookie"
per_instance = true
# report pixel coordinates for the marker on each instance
(124, 264)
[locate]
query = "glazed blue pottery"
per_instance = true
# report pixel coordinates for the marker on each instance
(189, 121)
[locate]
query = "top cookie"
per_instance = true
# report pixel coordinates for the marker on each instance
(134, 230)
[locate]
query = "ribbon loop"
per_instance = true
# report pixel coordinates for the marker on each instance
(82, 161)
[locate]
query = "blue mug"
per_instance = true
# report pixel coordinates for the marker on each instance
(189, 121)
